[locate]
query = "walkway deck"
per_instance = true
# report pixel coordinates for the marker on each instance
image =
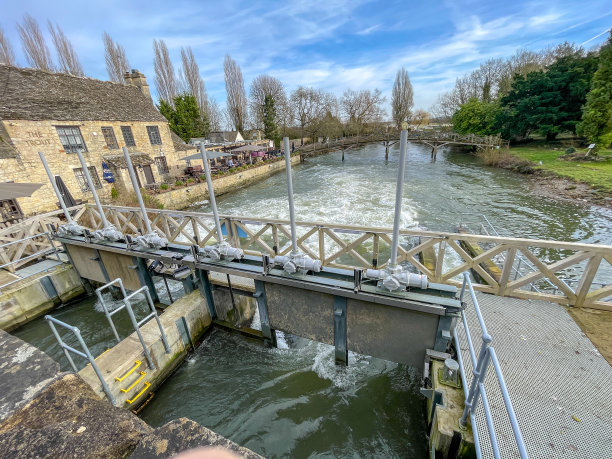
(560, 385)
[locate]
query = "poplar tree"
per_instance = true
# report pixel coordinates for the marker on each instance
(596, 123)
(7, 55)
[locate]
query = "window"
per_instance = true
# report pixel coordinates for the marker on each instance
(9, 210)
(71, 138)
(162, 164)
(109, 137)
(80, 176)
(154, 136)
(128, 136)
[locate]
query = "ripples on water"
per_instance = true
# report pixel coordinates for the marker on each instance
(437, 196)
(293, 401)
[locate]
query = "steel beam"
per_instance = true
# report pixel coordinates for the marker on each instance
(444, 333)
(340, 335)
(206, 292)
(145, 278)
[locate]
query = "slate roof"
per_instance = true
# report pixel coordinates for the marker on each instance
(225, 136)
(179, 144)
(28, 94)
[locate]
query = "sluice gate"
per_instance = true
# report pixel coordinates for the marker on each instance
(330, 306)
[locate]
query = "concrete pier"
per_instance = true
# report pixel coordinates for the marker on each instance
(129, 355)
(45, 413)
(36, 295)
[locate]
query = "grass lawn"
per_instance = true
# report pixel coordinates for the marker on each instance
(597, 174)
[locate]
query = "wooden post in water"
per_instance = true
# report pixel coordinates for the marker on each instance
(387, 148)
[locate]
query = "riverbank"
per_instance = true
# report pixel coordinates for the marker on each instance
(557, 174)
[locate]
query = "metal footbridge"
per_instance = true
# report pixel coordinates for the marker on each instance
(404, 310)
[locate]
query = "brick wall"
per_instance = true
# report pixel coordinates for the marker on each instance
(30, 137)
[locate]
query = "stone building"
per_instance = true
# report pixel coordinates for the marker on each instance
(59, 114)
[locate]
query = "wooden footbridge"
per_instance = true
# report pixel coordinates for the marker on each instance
(432, 138)
(577, 271)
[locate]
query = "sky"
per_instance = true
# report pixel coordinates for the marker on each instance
(329, 44)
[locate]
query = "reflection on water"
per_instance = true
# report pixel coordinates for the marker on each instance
(294, 401)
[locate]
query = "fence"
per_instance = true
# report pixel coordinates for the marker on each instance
(477, 391)
(349, 246)
(577, 274)
(20, 242)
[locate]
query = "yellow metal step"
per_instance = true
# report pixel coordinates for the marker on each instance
(137, 363)
(144, 389)
(142, 375)
(102, 354)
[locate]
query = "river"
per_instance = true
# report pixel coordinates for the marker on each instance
(293, 401)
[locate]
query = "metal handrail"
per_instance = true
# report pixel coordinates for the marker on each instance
(135, 323)
(477, 390)
(86, 354)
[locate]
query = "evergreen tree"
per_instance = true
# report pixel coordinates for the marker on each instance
(269, 117)
(549, 102)
(596, 123)
(476, 117)
(185, 118)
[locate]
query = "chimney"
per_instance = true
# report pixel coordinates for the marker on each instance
(135, 78)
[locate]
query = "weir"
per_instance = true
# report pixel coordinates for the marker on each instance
(377, 309)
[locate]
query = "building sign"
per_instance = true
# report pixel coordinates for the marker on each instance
(34, 139)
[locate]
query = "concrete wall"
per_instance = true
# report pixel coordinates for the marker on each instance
(36, 295)
(183, 197)
(30, 137)
(118, 360)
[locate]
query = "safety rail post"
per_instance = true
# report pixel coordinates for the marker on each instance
(107, 313)
(136, 324)
(477, 390)
(85, 354)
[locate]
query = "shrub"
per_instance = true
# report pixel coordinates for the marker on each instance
(179, 183)
(232, 169)
(203, 177)
(163, 186)
(570, 150)
(190, 180)
(114, 193)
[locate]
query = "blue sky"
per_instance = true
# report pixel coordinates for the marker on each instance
(331, 44)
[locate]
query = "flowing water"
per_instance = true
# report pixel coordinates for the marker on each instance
(293, 401)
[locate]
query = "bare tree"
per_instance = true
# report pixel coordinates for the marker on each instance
(165, 79)
(308, 106)
(236, 96)
(266, 86)
(191, 81)
(116, 60)
(401, 98)
(420, 118)
(68, 59)
(362, 107)
(215, 115)
(34, 46)
(7, 55)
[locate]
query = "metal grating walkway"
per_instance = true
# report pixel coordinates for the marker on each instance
(560, 386)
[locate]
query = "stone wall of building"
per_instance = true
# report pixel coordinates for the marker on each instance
(30, 137)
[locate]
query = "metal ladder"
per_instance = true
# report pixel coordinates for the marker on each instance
(135, 323)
